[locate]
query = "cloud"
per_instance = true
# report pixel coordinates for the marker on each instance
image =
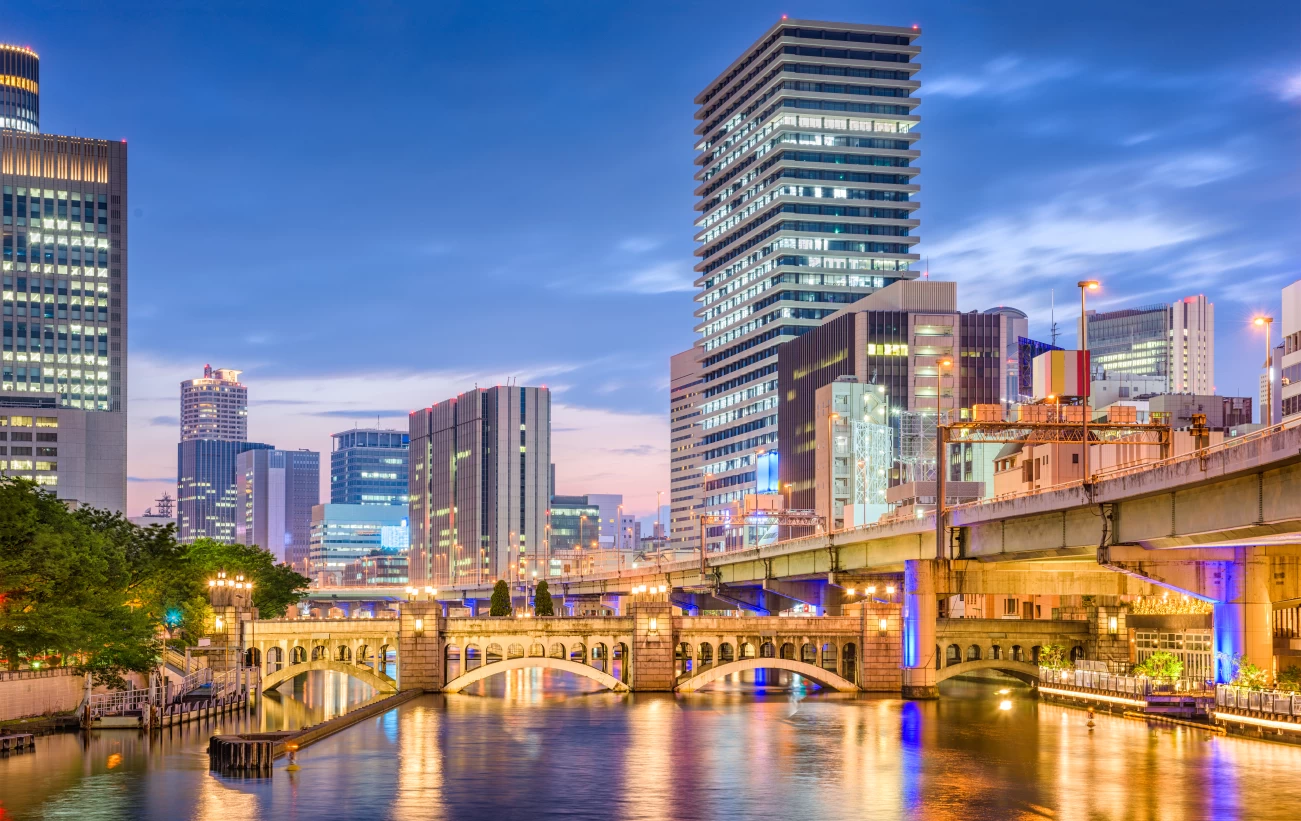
(1289, 88)
(1197, 168)
(361, 414)
(638, 245)
(165, 421)
(661, 278)
(302, 410)
(1000, 77)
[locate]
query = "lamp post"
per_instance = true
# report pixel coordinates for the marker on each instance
(1085, 286)
(1267, 414)
(831, 469)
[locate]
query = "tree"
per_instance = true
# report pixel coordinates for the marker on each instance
(65, 582)
(500, 603)
(1054, 657)
(542, 605)
(1289, 678)
(1160, 665)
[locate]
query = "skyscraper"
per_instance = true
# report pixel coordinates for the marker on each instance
(1153, 349)
(207, 496)
(277, 490)
(368, 466)
(65, 292)
(480, 479)
(214, 406)
(806, 201)
(684, 461)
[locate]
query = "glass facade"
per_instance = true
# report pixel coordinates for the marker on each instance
(214, 406)
(369, 466)
(207, 496)
(343, 534)
(574, 521)
(20, 78)
(1132, 342)
(806, 200)
(277, 490)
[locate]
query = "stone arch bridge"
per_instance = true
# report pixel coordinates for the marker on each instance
(648, 650)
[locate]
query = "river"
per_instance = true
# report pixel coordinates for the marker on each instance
(536, 744)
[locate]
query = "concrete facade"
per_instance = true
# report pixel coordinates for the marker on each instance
(214, 406)
(77, 454)
(276, 491)
(685, 481)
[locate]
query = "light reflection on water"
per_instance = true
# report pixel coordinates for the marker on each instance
(535, 743)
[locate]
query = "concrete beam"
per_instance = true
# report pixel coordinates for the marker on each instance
(1037, 578)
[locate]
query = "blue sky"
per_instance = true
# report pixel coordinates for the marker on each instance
(368, 207)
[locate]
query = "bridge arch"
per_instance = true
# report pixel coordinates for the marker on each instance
(469, 677)
(364, 674)
(827, 678)
(1028, 673)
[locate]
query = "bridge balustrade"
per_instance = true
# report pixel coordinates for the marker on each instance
(1267, 702)
(1138, 686)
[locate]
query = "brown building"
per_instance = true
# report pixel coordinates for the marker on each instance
(908, 337)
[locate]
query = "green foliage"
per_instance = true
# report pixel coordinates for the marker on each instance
(1160, 665)
(1054, 657)
(1289, 678)
(500, 603)
(89, 587)
(542, 605)
(65, 586)
(1249, 675)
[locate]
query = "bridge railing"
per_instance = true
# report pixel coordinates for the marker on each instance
(1138, 686)
(194, 680)
(1265, 702)
(118, 702)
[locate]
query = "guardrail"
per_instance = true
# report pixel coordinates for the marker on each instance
(1265, 702)
(1141, 686)
(118, 702)
(194, 681)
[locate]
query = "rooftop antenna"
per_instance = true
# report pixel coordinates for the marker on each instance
(1052, 317)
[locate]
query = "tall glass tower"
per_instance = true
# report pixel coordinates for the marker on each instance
(806, 200)
(20, 99)
(368, 466)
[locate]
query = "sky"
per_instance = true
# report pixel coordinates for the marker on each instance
(370, 207)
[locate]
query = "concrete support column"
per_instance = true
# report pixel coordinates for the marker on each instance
(420, 646)
(881, 653)
(1244, 623)
(919, 615)
(653, 646)
(1109, 636)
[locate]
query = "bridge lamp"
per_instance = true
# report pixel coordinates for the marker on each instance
(212, 582)
(654, 625)
(871, 590)
(881, 626)
(851, 592)
(1113, 626)
(663, 588)
(889, 590)
(219, 623)
(420, 626)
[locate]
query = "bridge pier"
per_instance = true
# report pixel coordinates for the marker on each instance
(920, 612)
(653, 646)
(882, 642)
(420, 646)
(1243, 618)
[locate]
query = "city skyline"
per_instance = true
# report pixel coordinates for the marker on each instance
(1074, 176)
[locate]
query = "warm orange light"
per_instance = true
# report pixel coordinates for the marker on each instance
(1091, 284)
(1262, 320)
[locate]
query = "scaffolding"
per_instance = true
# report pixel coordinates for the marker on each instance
(916, 457)
(872, 450)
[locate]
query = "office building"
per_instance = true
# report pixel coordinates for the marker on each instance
(368, 466)
(1192, 346)
(930, 360)
(277, 490)
(65, 277)
(1018, 328)
(685, 480)
(344, 534)
(207, 493)
(610, 506)
(1221, 412)
(574, 522)
(383, 569)
(214, 406)
(1288, 364)
(805, 201)
(480, 477)
(1155, 349)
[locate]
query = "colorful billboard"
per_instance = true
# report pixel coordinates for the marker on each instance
(1061, 374)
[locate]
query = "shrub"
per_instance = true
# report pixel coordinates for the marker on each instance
(1160, 665)
(1054, 657)
(499, 605)
(542, 605)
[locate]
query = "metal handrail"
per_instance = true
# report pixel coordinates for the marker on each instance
(118, 701)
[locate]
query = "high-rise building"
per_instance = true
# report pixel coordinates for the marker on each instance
(480, 477)
(573, 522)
(342, 534)
(910, 344)
(1018, 327)
(805, 203)
(685, 481)
(610, 507)
(65, 295)
(1289, 364)
(1192, 346)
(1154, 349)
(207, 494)
(20, 99)
(277, 490)
(368, 466)
(214, 406)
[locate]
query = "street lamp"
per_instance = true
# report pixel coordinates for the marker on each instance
(1267, 415)
(1085, 286)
